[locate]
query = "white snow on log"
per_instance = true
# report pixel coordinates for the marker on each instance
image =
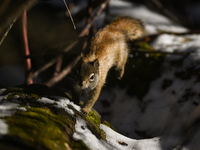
(2, 90)
(3, 127)
(2, 96)
(83, 133)
(123, 143)
(8, 108)
(60, 102)
(46, 100)
(116, 141)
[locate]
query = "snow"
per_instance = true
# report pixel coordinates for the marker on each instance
(60, 102)
(115, 139)
(8, 108)
(3, 127)
(84, 134)
(2, 90)
(2, 96)
(46, 100)
(153, 21)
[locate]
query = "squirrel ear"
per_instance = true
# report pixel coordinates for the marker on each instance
(96, 63)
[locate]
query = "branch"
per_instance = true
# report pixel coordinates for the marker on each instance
(43, 68)
(69, 14)
(6, 33)
(58, 66)
(62, 74)
(26, 48)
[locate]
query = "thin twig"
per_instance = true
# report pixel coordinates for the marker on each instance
(60, 60)
(88, 20)
(26, 48)
(58, 66)
(62, 74)
(43, 68)
(6, 33)
(70, 14)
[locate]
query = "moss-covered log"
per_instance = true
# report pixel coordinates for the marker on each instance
(30, 120)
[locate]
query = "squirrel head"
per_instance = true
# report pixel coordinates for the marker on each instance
(86, 74)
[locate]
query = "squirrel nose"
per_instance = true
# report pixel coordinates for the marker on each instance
(83, 83)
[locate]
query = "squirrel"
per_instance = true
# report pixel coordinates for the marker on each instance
(108, 48)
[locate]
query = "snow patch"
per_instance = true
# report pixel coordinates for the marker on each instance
(84, 134)
(3, 127)
(153, 21)
(2, 90)
(60, 102)
(123, 143)
(46, 100)
(63, 103)
(2, 96)
(8, 109)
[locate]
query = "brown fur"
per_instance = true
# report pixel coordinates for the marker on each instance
(109, 48)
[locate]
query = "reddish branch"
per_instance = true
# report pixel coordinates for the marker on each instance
(26, 48)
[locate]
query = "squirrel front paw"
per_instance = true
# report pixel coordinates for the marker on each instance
(84, 111)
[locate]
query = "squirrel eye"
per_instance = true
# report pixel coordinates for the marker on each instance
(92, 77)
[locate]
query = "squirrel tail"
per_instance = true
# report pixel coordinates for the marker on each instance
(132, 28)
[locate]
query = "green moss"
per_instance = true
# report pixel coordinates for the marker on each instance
(93, 122)
(142, 45)
(39, 128)
(78, 145)
(94, 117)
(68, 95)
(19, 94)
(12, 89)
(108, 125)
